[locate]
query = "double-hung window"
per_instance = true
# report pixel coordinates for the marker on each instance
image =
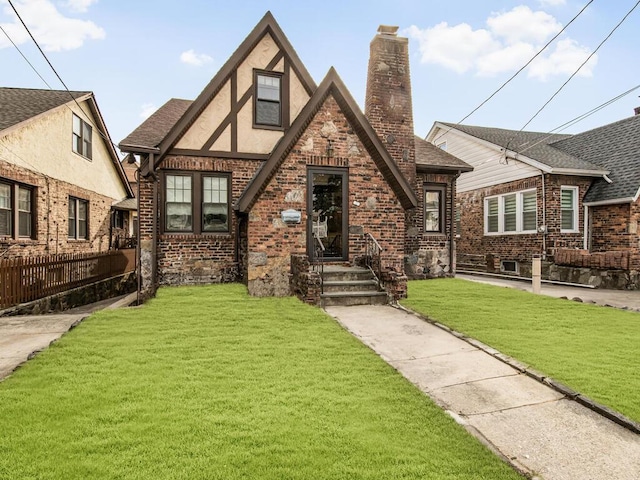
(569, 209)
(196, 202)
(78, 219)
(511, 213)
(268, 99)
(434, 209)
(82, 134)
(16, 210)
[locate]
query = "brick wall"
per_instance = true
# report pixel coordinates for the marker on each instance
(51, 206)
(519, 247)
(184, 258)
(373, 206)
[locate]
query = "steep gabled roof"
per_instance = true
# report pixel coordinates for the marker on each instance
(615, 147)
(268, 25)
(151, 132)
(18, 105)
(534, 145)
(430, 157)
(331, 85)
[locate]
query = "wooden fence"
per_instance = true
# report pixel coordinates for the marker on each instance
(30, 278)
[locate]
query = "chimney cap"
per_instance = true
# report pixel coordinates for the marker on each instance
(388, 30)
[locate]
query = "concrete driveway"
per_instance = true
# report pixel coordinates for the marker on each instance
(21, 337)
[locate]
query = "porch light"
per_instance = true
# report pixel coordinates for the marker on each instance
(329, 149)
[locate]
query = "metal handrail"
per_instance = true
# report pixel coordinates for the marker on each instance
(318, 258)
(372, 257)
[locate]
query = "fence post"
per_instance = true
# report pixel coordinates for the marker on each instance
(536, 273)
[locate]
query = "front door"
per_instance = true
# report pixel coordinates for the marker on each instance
(327, 211)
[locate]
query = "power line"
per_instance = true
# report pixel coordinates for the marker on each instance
(519, 71)
(579, 118)
(25, 58)
(103, 135)
(576, 72)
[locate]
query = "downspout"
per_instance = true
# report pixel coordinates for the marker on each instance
(452, 225)
(544, 217)
(587, 226)
(138, 260)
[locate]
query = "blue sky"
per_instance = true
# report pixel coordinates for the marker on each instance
(135, 55)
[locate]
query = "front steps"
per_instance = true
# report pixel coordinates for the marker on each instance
(347, 286)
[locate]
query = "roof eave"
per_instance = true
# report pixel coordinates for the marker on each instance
(424, 168)
(579, 172)
(611, 201)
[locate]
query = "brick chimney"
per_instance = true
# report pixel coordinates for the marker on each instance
(388, 103)
(636, 110)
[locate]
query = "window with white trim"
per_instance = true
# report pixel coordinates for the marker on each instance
(569, 209)
(511, 213)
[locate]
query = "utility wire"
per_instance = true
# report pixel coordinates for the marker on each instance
(518, 72)
(576, 72)
(102, 134)
(579, 118)
(25, 58)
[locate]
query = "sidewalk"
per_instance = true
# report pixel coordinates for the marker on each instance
(626, 299)
(23, 336)
(532, 426)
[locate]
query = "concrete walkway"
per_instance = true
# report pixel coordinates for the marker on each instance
(534, 427)
(23, 336)
(626, 299)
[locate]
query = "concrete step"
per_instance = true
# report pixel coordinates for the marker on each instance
(332, 273)
(333, 286)
(347, 299)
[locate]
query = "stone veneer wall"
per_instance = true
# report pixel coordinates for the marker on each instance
(51, 216)
(428, 254)
(376, 209)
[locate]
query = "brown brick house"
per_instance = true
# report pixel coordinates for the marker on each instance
(60, 180)
(573, 199)
(267, 174)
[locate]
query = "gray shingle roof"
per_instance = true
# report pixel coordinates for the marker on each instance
(615, 147)
(20, 104)
(427, 154)
(535, 145)
(153, 130)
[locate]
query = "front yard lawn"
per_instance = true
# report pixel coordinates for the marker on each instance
(209, 383)
(594, 350)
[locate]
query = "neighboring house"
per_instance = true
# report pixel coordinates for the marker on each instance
(59, 178)
(568, 198)
(246, 181)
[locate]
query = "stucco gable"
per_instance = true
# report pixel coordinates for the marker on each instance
(333, 86)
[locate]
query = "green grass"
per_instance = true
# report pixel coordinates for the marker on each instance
(594, 350)
(209, 383)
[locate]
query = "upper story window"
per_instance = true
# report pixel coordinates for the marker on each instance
(16, 210)
(511, 213)
(442, 146)
(196, 202)
(78, 219)
(569, 208)
(82, 134)
(434, 209)
(268, 99)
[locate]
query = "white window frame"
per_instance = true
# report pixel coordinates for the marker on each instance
(442, 145)
(501, 212)
(576, 225)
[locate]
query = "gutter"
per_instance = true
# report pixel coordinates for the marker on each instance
(613, 201)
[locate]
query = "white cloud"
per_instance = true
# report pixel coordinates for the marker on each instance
(196, 59)
(53, 31)
(552, 3)
(147, 109)
(509, 41)
(80, 5)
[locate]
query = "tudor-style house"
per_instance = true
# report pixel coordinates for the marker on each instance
(572, 199)
(271, 179)
(60, 176)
